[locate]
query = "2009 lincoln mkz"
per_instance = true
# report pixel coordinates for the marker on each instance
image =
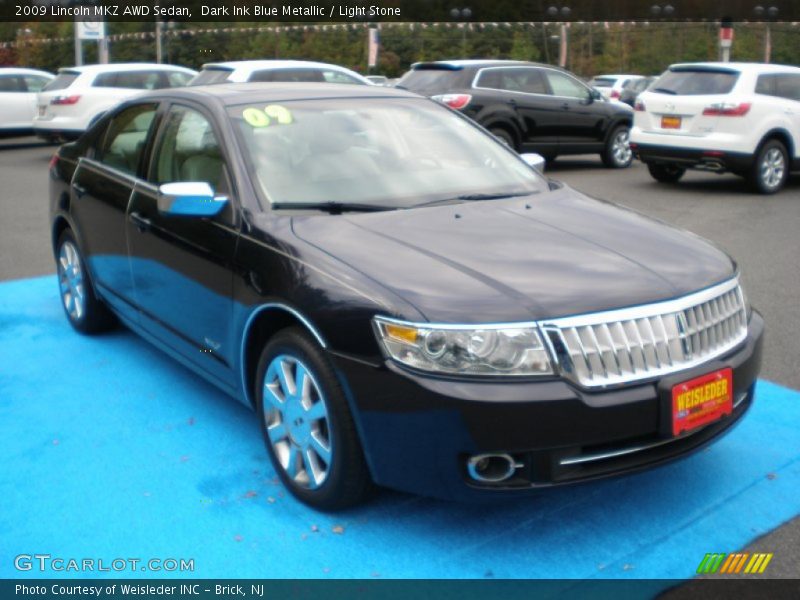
(402, 299)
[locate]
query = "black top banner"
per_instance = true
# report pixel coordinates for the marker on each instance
(400, 10)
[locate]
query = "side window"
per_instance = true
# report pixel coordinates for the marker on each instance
(564, 85)
(105, 80)
(788, 86)
(338, 77)
(189, 151)
(11, 84)
(528, 81)
(35, 83)
(766, 85)
(126, 137)
(490, 78)
(178, 79)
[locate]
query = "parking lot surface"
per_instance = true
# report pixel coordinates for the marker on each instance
(760, 232)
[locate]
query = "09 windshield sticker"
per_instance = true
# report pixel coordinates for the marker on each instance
(272, 114)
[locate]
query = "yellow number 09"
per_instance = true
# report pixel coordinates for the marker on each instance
(255, 117)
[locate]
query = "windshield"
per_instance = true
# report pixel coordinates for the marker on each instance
(695, 82)
(62, 81)
(602, 82)
(384, 152)
(211, 75)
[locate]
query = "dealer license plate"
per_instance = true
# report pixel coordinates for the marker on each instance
(701, 400)
(669, 122)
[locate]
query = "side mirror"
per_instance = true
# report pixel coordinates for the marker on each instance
(190, 199)
(534, 161)
(595, 95)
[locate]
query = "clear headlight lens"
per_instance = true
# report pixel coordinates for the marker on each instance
(473, 350)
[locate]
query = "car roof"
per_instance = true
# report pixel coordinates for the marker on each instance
(460, 64)
(23, 71)
(232, 94)
(272, 64)
(104, 68)
(617, 76)
(740, 66)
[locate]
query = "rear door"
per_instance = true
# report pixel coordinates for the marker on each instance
(182, 265)
(675, 103)
(16, 103)
(101, 189)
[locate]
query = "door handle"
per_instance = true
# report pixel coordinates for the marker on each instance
(142, 223)
(565, 106)
(79, 189)
(512, 102)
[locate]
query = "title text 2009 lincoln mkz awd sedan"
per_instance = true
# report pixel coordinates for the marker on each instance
(401, 298)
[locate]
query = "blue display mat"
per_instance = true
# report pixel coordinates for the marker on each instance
(112, 450)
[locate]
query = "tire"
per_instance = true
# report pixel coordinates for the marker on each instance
(665, 173)
(617, 153)
(770, 169)
(504, 136)
(311, 438)
(84, 310)
(549, 158)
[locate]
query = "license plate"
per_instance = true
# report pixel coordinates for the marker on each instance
(668, 122)
(701, 400)
(42, 110)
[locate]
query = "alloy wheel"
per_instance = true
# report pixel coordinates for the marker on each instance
(773, 167)
(296, 416)
(620, 147)
(70, 279)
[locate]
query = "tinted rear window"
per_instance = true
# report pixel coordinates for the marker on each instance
(430, 80)
(691, 82)
(602, 82)
(209, 76)
(290, 75)
(62, 81)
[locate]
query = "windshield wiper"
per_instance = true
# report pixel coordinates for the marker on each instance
(661, 90)
(335, 208)
(468, 197)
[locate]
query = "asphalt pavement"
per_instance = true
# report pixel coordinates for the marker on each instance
(761, 233)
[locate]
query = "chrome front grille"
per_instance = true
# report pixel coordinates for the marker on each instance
(626, 345)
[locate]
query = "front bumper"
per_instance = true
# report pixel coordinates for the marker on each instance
(418, 431)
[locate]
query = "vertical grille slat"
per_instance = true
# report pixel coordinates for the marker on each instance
(645, 343)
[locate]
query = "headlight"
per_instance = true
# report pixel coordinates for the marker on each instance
(465, 350)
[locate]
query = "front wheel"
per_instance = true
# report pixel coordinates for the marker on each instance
(618, 154)
(307, 426)
(665, 173)
(770, 170)
(85, 312)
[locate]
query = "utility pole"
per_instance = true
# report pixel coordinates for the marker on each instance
(78, 46)
(159, 45)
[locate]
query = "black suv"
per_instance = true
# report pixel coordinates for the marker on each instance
(532, 107)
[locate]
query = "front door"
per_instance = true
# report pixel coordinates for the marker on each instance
(582, 122)
(182, 265)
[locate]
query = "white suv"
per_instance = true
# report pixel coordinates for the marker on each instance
(239, 71)
(78, 96)
(742, 118)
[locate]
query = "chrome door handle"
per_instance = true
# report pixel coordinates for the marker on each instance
(142, 223)
(79, 190)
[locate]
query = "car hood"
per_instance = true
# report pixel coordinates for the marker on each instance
(548, 255)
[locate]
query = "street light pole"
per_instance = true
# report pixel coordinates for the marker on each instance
(563, 47)
(462, 14)
(771, 13)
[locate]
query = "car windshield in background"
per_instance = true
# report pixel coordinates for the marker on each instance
(695, 82)
(62, 81)
(429, 80)
(602, 82)
(210, 76)
(380, 152)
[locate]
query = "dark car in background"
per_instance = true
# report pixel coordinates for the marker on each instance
(399, 296)
(631, 90)
(531, 107)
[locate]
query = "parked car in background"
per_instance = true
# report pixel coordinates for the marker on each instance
(399, 297)
(531, 107)
(78, 96)
(742, 118)
(18, 89)
(633, 88)
(241, 71)
(611, 86)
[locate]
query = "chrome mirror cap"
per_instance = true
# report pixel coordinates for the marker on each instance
(189, 198)
(535, 161)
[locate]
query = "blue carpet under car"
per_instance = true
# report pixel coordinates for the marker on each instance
(110, 449)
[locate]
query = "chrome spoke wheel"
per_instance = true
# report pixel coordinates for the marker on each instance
(296, 418)
(773, 168)
(621, 148)
(70, 280)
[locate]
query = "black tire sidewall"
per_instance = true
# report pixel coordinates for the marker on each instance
(666, 173)
(348, 462)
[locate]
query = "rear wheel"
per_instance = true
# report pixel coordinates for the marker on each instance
(306, 423)
(504, 136)
(618, 154)
(666, 173)
(770, 170)
(85, 312)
